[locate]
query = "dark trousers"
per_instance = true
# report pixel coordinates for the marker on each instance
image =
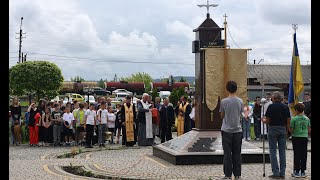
(46, 134)
(187, 125)
(300, 146)
(89, 134)
(193, 124)
(56, 134)
(135, 128)
(166, 134)
(231, 143)
(257, 128)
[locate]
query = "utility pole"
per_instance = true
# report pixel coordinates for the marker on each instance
(20, 40)
(25, 58)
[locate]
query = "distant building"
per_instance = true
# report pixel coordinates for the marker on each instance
(274, 78)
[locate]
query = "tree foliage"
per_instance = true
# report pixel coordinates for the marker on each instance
(101, 83)
(40, 77)
(77, 79)
(154, 94)
(140, 77)
(176, 94)
(182, 79)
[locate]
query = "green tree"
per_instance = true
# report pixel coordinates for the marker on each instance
(154, 94)
(140, 77)
(101, 83)
(77, 79)
(40, 77)
(176, 94)
(182, 79)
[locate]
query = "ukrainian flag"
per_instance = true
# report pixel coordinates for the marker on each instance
(296, 86)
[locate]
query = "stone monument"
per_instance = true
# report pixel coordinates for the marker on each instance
(215, 64)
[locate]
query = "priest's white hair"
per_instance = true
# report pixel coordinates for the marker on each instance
(145, 94)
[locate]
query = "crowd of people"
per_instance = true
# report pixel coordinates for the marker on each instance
(273, 121)
(141, 122)
(80, 123)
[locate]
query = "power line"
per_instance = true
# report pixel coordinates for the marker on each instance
(77, 41)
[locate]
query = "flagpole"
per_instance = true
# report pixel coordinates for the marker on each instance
(295, 27)
(225, 53)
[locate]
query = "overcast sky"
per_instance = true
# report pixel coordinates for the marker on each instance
(96, 39)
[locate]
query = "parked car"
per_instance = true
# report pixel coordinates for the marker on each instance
(122, 91)
(120, 96)
(164, 94)
(91, 99)
(96, 91)
(74, 96)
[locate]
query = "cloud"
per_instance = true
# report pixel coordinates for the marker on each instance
(180, 29)
(285, 11)
(97, 40)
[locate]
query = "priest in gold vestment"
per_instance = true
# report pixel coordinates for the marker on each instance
(128, 114)
(184, 122)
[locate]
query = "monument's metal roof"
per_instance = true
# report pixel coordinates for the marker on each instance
(208, 24)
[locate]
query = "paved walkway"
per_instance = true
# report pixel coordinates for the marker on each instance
(136, 162)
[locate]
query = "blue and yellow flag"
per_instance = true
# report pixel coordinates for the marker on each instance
(296, 86)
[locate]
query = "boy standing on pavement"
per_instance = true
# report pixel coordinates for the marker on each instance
(90, 124)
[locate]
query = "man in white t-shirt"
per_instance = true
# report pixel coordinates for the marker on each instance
(90, 124)
(102, 123)
(68, 119)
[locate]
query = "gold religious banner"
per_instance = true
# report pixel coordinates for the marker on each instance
(237, 67)
(214, 76)
(215, 72)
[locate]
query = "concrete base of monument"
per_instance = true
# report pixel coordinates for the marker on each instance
(204, 147)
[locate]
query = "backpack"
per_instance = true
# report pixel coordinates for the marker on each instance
(26, 116)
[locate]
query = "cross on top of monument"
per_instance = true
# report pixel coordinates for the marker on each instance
(208, 5)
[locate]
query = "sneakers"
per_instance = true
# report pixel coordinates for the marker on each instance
(297, 174)
(303, 175)
(237, 177)
(249, 139)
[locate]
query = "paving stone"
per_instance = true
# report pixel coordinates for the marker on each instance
(27, 162)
